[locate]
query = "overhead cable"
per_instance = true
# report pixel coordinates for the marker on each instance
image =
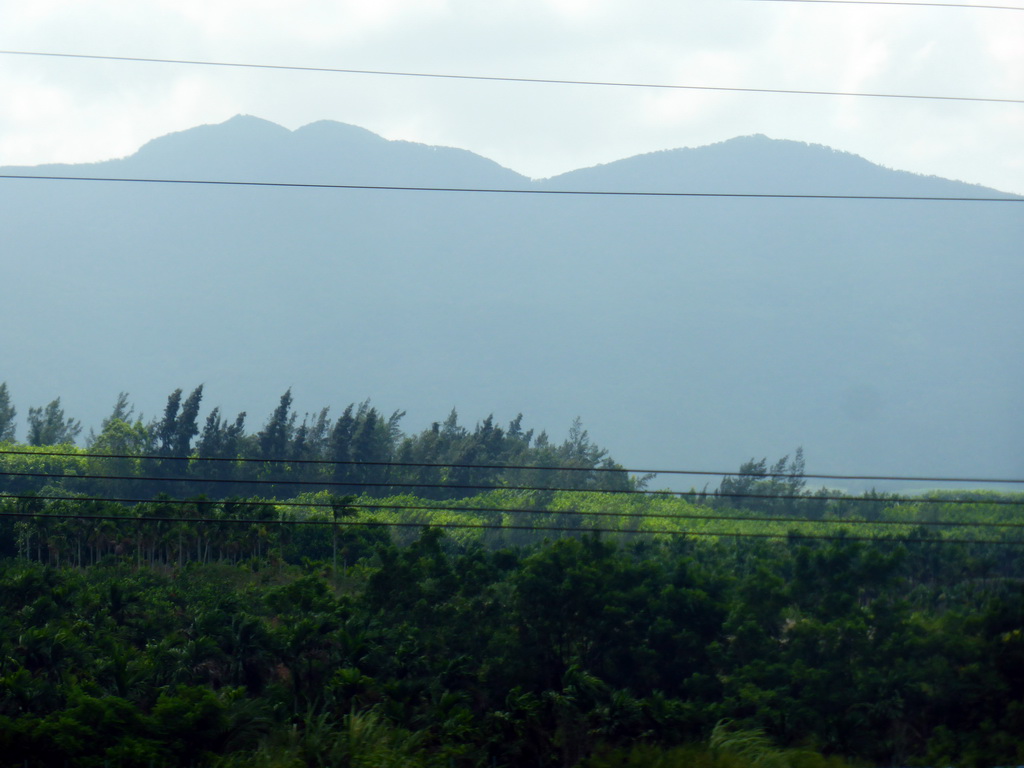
(511, 190)
(717, 494)
(788, 535)
(459, 465)
(490, 78)
(343, 504)
(903, 2)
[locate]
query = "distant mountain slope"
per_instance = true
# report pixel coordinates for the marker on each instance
(248, 148)
(883, 336)
(757, 164)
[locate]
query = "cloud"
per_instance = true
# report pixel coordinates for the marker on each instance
(537, 129)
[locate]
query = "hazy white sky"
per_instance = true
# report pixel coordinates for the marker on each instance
(73, 110)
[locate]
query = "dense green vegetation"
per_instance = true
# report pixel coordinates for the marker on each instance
(600, 625)
(575, 651)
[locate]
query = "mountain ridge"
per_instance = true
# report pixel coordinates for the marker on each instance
(247, 135)
(880, 335)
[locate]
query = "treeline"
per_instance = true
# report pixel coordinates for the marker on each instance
(365, 454)
(60, 530)
(577, 652)
(365, 451)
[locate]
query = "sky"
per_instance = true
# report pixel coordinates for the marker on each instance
(76, 110)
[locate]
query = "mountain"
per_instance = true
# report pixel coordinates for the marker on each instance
(688, 332)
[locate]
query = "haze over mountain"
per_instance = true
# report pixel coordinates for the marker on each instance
(882, 336)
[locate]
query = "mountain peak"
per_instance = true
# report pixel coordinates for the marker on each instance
(757, 164)
(211, 145)
(336, 131)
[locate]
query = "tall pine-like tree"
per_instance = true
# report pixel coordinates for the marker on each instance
(167, 426)
(277, 434)
(186, 426)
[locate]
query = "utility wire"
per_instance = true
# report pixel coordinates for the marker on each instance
(488, 78)
(531, 528)
(457, 465)
(513, 191)
(891, 499)
(372, 507)
(901, 2)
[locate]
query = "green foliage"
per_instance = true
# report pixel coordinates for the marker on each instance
(122, 437)
(752, 747)
(361, 439)
(574, 651)
(775, 490)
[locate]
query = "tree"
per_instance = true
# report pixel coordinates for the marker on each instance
(340, 508)
(339, 447)
(751, 474)
(7, 414)
(369, 445)
(277, 433)
(319, 433)
(451, 430)
(49, 426)
(577, 450)
(178, 425)
(756, 485)
(174, 432)
(186, 428)
(121, 437)
(166, 427)
(119, 433)
(790, 476)
(221, 439)
(123, 411)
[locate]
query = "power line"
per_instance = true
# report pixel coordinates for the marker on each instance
(901, 2)
(524, 467)
(686, 516)
(489, 78)
(891, 499)
(372, 506)
(511, 527)
(512, 190)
